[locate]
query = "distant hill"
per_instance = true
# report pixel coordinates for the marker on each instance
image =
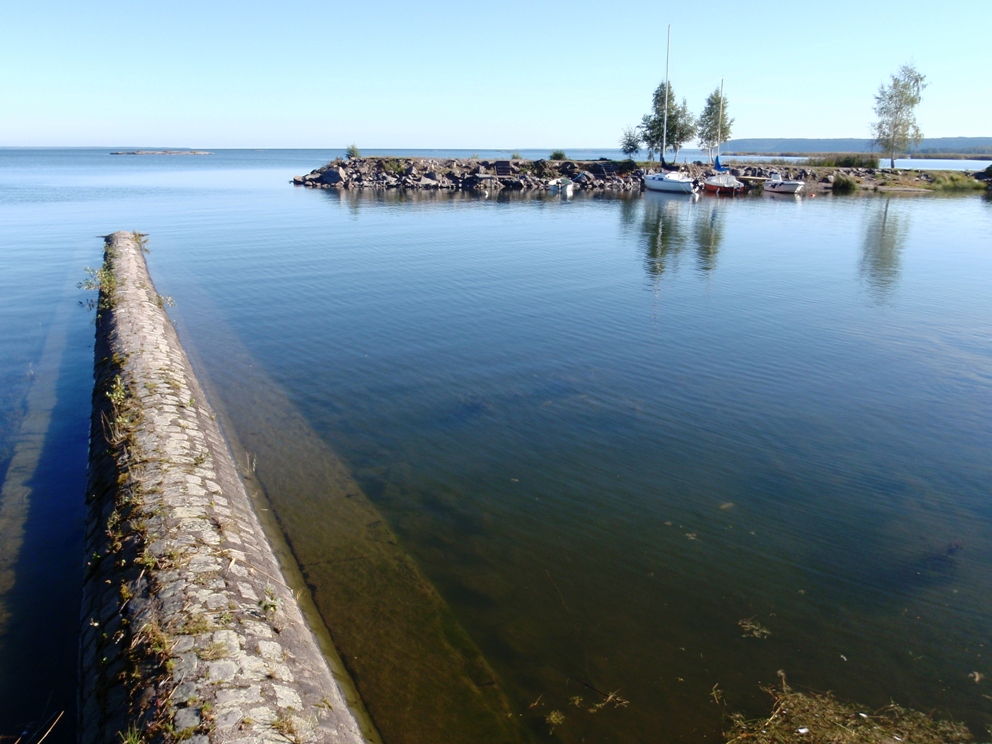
(850, 144)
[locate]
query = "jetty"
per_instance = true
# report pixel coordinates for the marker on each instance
(189, 629)
(625, 176)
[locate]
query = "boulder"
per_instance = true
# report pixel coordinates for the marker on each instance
(333, 176)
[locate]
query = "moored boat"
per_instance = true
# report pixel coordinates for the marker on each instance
(562, 186)
(777, 185)
(678, 183)
(723, 183)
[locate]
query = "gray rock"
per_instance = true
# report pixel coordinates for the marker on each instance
(334, 176)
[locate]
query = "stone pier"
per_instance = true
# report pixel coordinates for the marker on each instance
(189, 630)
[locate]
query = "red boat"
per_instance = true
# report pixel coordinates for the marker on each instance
(723, 183)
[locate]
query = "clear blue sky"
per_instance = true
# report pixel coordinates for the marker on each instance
(475, 75)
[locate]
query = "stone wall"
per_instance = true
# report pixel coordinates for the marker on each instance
(189, 631)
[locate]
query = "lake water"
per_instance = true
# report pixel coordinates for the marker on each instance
(607, 430)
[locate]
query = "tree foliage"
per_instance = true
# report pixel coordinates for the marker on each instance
(681, 123)
(630, 141)
(711, 133)
(682, 126)
(895, 106)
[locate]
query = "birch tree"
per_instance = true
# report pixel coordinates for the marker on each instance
(711, 132)
(895, 106)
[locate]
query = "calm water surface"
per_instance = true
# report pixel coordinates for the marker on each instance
(608, 429)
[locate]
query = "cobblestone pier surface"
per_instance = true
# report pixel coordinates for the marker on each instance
(189, 631)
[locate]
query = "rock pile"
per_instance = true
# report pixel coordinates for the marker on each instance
(604, 175)
(470, 174)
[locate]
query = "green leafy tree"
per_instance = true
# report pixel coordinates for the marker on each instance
(713, 131)
(630, 141)
(681, 124)
(650, 127)
(682, 127)
(895, 106)
(353, 151)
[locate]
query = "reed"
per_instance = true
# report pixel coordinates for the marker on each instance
(956, 182)
(844, 184)
(844, 160)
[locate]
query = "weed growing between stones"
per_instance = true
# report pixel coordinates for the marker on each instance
(103, 280)
(132, 736)
(285, 725)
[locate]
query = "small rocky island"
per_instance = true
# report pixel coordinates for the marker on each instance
(473, 174)
(161, 152)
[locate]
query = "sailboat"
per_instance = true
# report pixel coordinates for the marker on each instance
(677, 182)
(723, 182)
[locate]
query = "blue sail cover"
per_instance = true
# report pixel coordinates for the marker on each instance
(717, 166)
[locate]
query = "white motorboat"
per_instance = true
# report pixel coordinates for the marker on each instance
(678, 183)
(777, 185)
(562, 186)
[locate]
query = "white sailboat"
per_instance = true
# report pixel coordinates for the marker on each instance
(676, 182)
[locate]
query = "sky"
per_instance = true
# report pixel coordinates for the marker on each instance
(433, 74)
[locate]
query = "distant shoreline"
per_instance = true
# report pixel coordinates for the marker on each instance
(161, 152)
(913, 156)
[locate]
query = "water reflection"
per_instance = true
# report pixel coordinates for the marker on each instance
(673, 223)
(886, 230)
(665, 229)
(707, 231)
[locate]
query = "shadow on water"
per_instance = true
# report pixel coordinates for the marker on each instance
(886, 228)
(41, 515)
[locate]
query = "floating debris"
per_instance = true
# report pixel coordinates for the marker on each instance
(822, 718)
(753, 629)
(613, 697)
(977, 676)
(554, 718)
(717, 694)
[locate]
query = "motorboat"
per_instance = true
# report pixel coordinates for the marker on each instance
(777, 185)
(723, 183)
(563, 186)
(675, 182)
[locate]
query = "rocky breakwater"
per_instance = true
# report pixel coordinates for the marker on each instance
(834, 178)
(189, 631)
(471, 174)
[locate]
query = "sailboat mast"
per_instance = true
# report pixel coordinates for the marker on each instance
(719, 126)
(664, 126)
